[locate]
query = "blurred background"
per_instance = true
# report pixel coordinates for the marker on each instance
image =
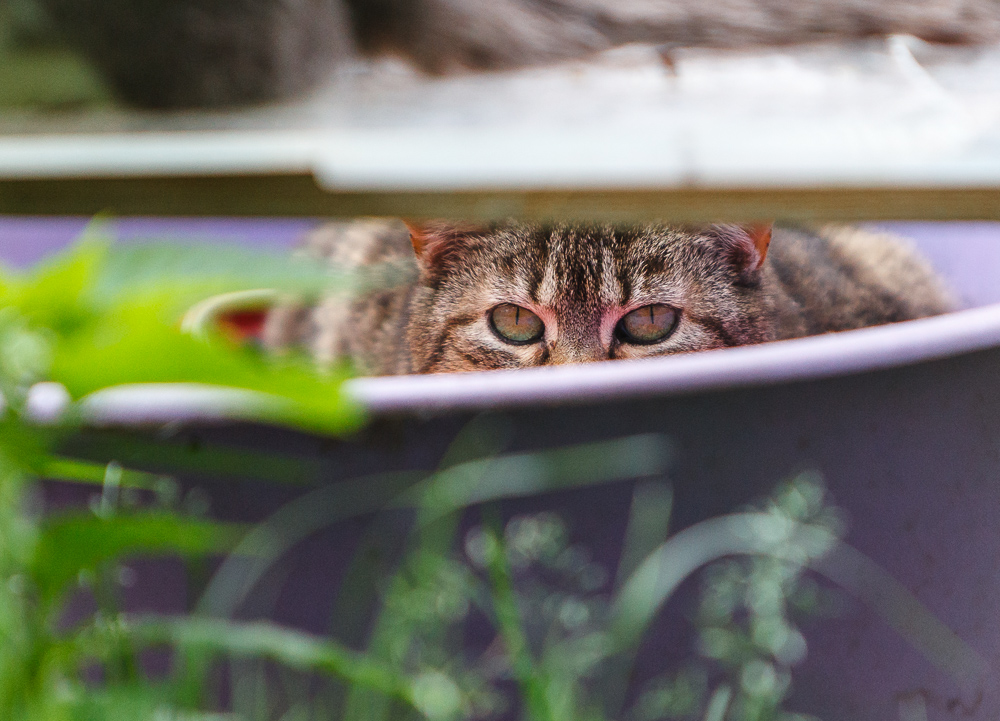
(192, 530)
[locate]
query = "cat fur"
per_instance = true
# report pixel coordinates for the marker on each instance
(581, 279)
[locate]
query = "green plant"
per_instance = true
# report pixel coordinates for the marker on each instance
(87, 320)
(563, 634)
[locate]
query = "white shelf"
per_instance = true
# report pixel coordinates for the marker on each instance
(883, 116)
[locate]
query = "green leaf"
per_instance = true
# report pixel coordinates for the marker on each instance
(71, 543)
(112, 317)
(132, 344)
(141, 702)
(70, 469)
(24, 447)
(54, 294)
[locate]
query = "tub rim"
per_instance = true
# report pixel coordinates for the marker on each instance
(800, 359)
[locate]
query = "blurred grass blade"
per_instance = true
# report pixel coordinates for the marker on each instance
(856, 572)
(264, 640)
(268, 541)
(194, 271)
(68, 544)
(453, 488)
(69, 469)
(657, 577)
(508, 619)
(648, 526)
(529, 474)
(26, 447)
(485, 436)
(718, 704)
(661, 573)
(197, 459)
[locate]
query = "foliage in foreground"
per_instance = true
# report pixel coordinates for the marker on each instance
(89, 320)
(562, 637)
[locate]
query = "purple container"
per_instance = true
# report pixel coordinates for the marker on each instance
(902, 421)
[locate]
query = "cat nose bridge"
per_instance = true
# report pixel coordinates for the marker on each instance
(576, 350)
(578, 338)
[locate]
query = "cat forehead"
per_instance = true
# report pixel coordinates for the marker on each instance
(580, 264)
(569, 247)
(579, 254)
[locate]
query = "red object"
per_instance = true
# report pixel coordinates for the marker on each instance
(243, 325)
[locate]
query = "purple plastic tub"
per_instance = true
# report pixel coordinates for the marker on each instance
(902, 421)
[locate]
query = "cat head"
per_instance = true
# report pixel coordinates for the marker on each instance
(517, 295)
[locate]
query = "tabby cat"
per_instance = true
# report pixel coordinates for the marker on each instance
(515, 295)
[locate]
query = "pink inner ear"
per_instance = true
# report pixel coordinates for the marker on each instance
(760, 234)
(418, 237)
(434, 241)
(745, 246)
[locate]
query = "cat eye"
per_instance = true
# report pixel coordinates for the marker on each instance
(649, 324)
(515, 324)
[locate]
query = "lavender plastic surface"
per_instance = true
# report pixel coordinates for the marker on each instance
(903, 422)
(24, 241)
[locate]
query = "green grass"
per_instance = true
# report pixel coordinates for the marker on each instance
(566, 635)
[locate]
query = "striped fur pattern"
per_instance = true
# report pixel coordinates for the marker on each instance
(580, 280)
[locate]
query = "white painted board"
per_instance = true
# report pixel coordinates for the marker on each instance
(883, 112)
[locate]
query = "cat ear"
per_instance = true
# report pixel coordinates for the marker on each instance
(419, 236)
(745, 246)
(435, 242)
